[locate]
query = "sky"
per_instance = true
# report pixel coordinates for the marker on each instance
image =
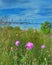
(26, 10)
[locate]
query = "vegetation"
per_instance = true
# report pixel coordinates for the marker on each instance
(12, 54)
(45, 27)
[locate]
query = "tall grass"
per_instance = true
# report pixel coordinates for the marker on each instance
(10, 54)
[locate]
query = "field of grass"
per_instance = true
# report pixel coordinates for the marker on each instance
(10, 54)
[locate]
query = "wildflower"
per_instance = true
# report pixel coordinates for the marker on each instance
(51, 36)
(43, 46)
(17, 43)
(45, 59)
(16, 34)
(49, 55)
(29, 45)
(11, 48)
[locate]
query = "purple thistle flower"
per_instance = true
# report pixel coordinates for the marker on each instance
(29, 45)
(43, 46)
(17, 43)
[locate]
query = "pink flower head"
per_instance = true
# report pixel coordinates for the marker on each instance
(43, 46)
(29, 45)
(17, 43)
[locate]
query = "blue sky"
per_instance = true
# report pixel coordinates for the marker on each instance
(26, 10)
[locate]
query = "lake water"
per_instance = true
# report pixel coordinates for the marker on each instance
(26, 26)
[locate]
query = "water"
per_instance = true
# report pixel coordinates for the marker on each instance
(25, 26)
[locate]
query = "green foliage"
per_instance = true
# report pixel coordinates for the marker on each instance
(46, 27)
(8, 27)
(17, 28)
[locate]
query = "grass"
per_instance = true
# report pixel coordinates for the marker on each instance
(10, 54)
